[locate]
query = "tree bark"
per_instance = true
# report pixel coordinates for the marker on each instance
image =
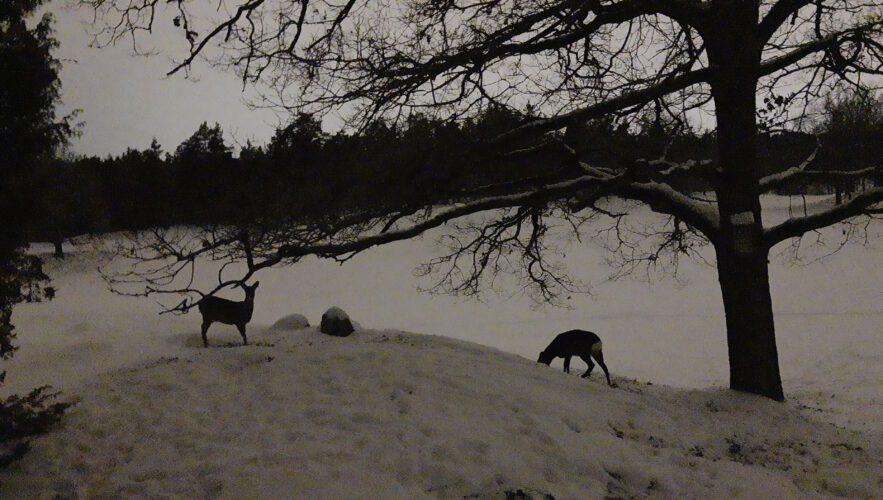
(741, 254)
(751, 336)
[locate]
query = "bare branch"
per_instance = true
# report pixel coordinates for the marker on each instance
(227, 26)
(626, 100)
(829, 176)
(663, 198)
(863, 203)
(778, 15)
(775, 181)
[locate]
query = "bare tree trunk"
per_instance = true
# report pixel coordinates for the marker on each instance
(59, 251)
(751, 336)
(741, 254)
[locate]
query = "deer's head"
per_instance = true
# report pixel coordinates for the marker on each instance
(249, 289)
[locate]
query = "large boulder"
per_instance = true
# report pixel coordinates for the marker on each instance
(336, 322)
(291, 322)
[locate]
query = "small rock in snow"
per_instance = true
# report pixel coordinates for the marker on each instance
(336, 322)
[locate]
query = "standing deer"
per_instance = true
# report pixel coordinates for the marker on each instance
(228, 312)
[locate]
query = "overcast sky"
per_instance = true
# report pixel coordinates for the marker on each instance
(127, 100)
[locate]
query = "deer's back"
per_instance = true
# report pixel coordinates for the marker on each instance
(573, 342)
(225, 311)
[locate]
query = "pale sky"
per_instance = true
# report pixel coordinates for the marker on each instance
(127, 100)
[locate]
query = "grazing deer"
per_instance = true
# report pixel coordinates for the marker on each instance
(228, 312)
(580, 343)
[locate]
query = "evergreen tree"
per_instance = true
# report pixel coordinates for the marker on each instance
(851, 131)
(30, 133)
(204, 177)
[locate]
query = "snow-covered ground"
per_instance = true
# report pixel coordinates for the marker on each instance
(384, 413)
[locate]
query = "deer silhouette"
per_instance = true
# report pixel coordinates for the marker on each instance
(229, 312)
(580, 343)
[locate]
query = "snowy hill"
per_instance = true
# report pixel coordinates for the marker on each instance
(389, 414)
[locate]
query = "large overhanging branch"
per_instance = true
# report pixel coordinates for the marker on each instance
(538, 196)
(862, 204)
(162, 257)
(640, 182)
(345, 70)
(675, 83)
(391, 75)
(664, 199)
(779, 14)
(650, 185)
(164, 261)
(455, 74)
(801, 174)
(629, 99)
(500, 43)
(775, 181)
(828, 42)
(818, 176)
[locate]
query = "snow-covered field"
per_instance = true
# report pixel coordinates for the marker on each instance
(388, 414)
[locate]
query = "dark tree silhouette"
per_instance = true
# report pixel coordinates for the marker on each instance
(30, 132)
(852, 141)
(62, 205)
(572, 61)
(205, 177)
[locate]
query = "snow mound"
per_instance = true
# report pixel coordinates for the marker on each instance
(391, 414)
(291, 322)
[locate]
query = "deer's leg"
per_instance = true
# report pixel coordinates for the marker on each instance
(599, 357)
(588, 361)
(241, 327)
(205, 325)
(566, 364)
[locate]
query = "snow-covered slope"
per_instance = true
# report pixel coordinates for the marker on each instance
(386, 414)
(159, 414)
(829, 318)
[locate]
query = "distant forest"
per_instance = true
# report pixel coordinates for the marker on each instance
(305, 174)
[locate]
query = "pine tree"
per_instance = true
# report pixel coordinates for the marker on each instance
(30, 133)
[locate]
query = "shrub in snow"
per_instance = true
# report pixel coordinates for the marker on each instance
(291, 322)
(25, 416)
(336, 322)
(520, 494)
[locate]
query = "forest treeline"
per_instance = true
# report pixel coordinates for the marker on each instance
(305, 174)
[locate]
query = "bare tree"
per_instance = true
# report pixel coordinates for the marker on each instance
(571, 61)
